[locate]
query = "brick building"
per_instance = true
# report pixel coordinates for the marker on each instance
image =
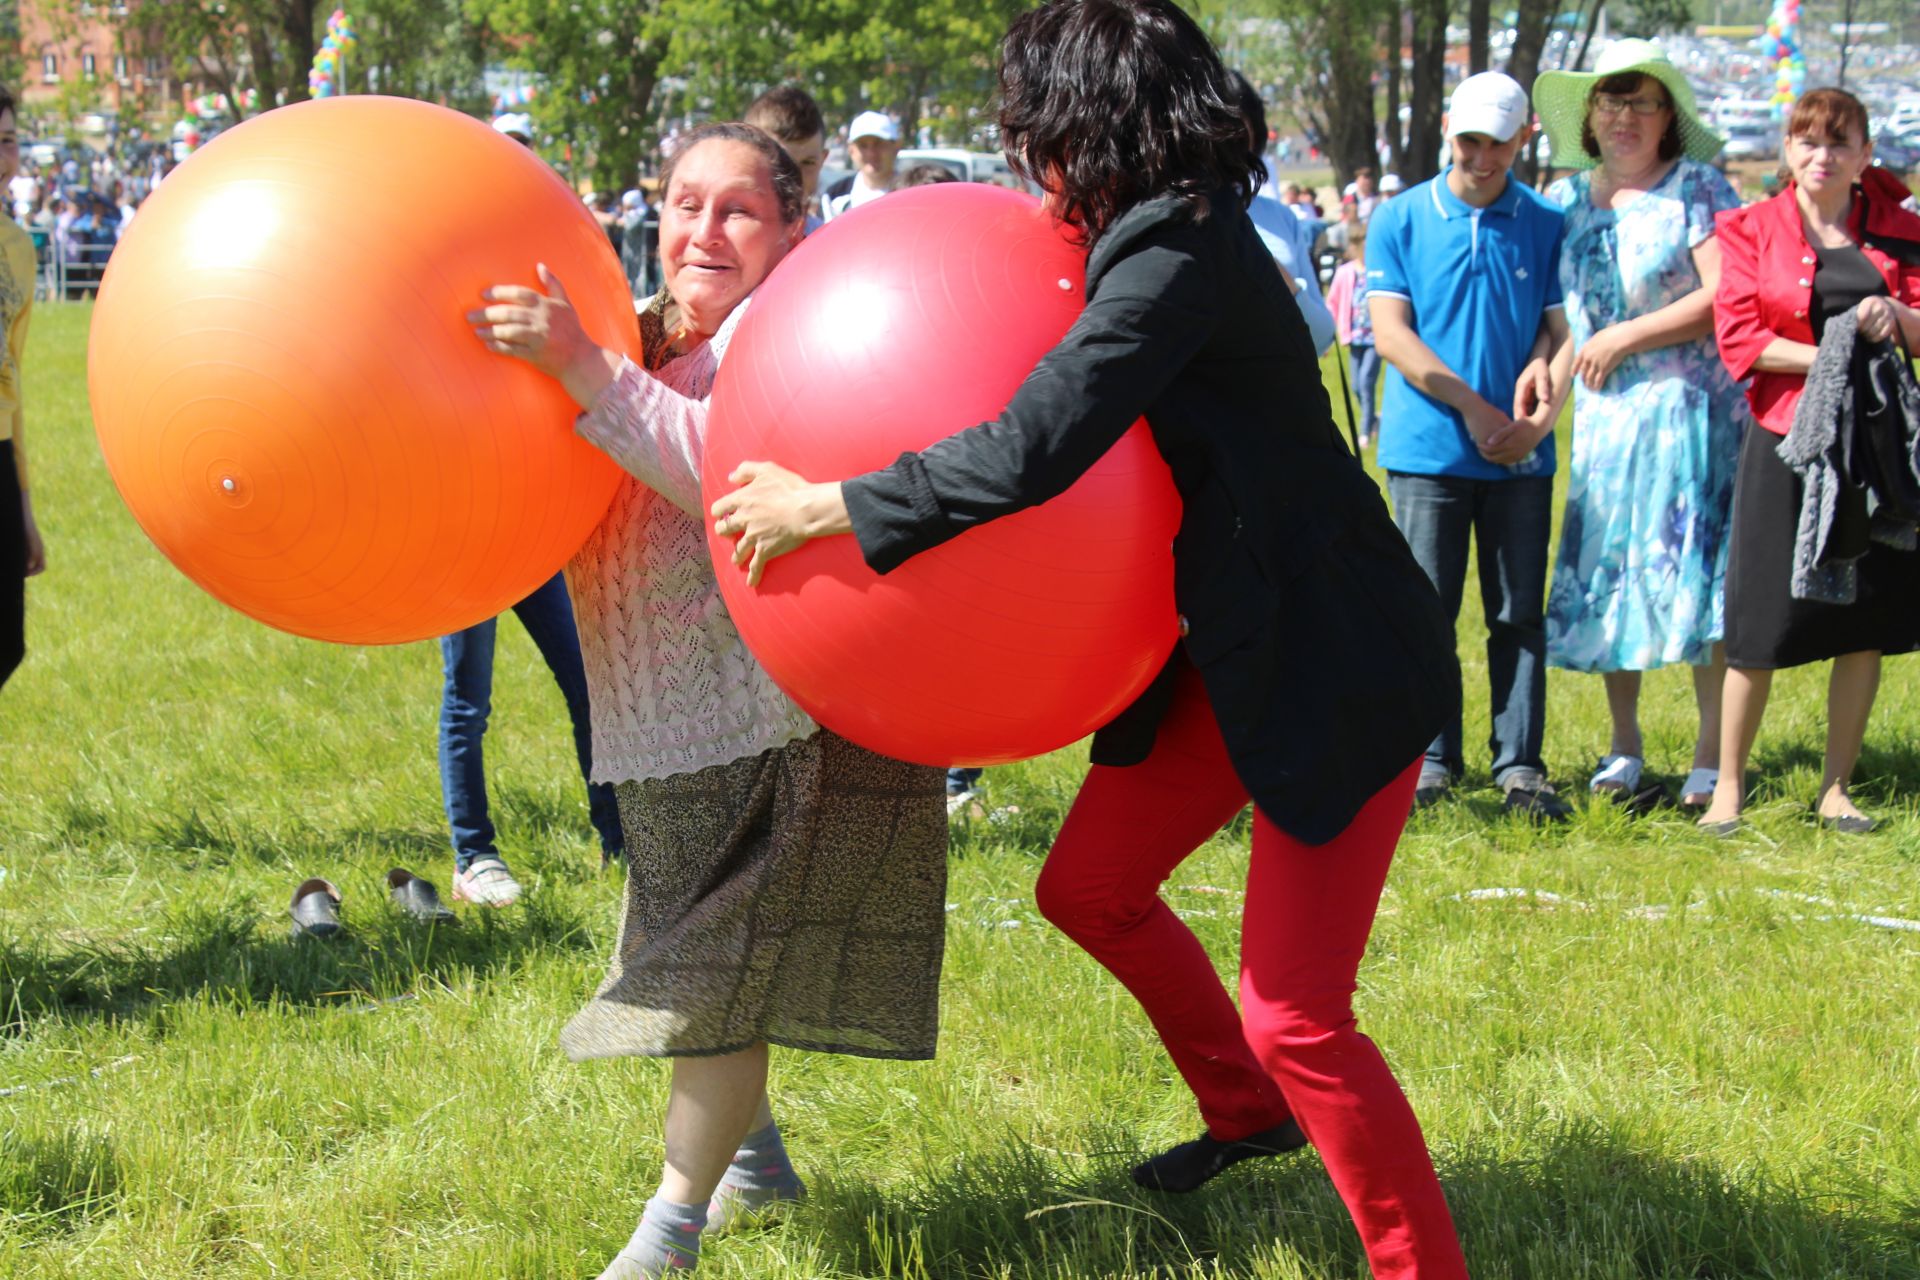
(65, 43)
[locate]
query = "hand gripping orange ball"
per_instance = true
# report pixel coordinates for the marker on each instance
(288, 393)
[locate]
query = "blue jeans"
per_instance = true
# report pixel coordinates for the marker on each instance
(467, 700)
(1509, 522)
(960, 781)
(1366, 382)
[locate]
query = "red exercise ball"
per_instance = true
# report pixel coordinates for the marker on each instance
(291, 400)
(892, 327)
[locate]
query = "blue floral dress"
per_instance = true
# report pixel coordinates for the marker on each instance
(1640, 581)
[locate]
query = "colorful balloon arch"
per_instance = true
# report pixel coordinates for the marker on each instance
(1781, 45)
(324, 78)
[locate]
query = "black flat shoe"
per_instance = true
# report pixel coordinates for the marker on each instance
(1192, 1165)
(316, 909)
(1849, 824)
(417, 897)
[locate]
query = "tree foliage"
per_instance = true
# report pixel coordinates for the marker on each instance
(230, 45)
(617, 74)
(599, 64)
(1317, 58)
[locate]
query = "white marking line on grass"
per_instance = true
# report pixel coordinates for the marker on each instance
(1538, 895)
(1659, 911)
(1877, 919)
(100, 1070)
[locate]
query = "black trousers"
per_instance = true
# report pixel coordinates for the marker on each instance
(13, 567)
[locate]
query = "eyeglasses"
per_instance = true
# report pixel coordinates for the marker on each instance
(1608, 104)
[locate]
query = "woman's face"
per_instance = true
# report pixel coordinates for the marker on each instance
(1823, 165)
(1628, 139)
(720, 229)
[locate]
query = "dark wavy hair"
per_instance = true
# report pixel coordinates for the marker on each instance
(1106, 103)
(787, 186)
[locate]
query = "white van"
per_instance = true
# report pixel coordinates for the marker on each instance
(968, 166)
(1727, 112)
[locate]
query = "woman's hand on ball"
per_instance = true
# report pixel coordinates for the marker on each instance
(544, 330)
(775, 511)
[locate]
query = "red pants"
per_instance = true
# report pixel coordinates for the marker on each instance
(1309, 909)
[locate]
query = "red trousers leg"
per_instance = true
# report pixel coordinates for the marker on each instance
(1309, 911)
(1128, 829)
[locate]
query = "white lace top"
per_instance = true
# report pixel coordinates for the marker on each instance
(671, 686)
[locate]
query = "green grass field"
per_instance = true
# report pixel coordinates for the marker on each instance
(1652, 1054)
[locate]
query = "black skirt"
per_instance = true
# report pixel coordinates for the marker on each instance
(1766, 627)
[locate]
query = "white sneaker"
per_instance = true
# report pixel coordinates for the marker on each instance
(487, 883)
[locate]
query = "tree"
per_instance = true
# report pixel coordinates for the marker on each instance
(12, 64)
(1428, 101)
(599, 64)
(906, 57)
(1393, 38)
(1319, 54)
(233, 45)
(427, 49)
(1532, 21)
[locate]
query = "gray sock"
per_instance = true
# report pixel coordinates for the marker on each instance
(760, 1176)
(667, 1240)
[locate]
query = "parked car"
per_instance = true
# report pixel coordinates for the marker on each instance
(1897, 153)
(1747, 140)
(968, 166)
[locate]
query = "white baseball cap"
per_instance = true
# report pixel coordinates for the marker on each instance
(873, 124)
(515, 124)
(1492, 103)
(1391, 183)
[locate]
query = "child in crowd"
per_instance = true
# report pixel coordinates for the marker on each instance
(1347, 297)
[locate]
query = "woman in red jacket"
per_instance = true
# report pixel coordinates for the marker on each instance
(1836, 240)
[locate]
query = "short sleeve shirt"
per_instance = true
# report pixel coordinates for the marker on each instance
(16, 305)
(1478, 282)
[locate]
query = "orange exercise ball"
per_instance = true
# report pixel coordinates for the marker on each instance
(288, 393)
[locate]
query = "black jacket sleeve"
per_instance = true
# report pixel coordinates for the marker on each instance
(1152, 309)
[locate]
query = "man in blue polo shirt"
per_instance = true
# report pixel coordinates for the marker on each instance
(1463, 284)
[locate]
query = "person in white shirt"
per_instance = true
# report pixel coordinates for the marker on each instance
(24, 191)
(873, 143)
(1285, 237)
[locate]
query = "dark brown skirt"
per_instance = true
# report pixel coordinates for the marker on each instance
(796, 897)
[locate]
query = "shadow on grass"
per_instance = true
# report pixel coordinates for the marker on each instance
(55, 1181)
(230, 954)
(1587, 1207)
(1889, 768)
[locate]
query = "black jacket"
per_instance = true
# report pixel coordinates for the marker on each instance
(1325, 652)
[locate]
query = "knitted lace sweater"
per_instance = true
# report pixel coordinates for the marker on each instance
(671, 687)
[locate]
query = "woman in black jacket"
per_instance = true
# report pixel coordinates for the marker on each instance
(1316, 664)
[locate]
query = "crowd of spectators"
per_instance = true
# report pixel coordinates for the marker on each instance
(77, 209)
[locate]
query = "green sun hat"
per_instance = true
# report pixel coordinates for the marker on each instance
(1560, 98)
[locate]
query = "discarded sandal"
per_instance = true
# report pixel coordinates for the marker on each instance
(316, 909)
(417, 897)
